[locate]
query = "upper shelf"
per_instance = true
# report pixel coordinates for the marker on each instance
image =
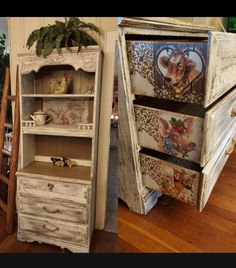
(86, 59)
(58, 130)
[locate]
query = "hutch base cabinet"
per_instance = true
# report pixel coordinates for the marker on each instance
(56, 181)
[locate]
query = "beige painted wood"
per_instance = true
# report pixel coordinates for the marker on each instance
(51, 229)
(56, 130)
(18, 37)
(48, 169)
(164, 23)
(131, 188)
(57, 210)
(53, 188)
(221, 72)
(104, 125)
(218, 122)
(47, 159)
(42, 180)
(212, 170)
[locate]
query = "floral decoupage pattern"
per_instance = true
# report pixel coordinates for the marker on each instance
(171, 133)
(67, 112)
(170, 179)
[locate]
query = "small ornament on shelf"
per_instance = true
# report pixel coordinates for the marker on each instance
(85, 126)
(63, 162)
(28, 123)
(59, 86)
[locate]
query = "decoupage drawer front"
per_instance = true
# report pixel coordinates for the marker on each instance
(172, 133)
(71, 212)
(168, 69)
(49, 228)
(219, 121)
(170, 178)
(53, 189)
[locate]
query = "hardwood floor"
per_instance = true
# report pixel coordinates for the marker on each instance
(173, 226)
(101, 242)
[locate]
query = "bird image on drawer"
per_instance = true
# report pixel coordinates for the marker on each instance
(173, 70)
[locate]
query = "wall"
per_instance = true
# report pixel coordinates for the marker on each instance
(211, 21)
(19, 30)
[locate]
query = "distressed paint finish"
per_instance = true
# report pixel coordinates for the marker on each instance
(171, 133)
(221, 71)
(50, 229)
(86, 61)
(168, 70)
(57, 209)
(212, 170)
(56, 205)
(219, 121)
(170, 179)
(143, 71)
(131, 189)
(56, 190)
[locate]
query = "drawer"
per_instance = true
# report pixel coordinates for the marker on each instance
(198, 71)
(184, 180)
(47, 228)
(71, 212)
(53, 189)
(183, 130)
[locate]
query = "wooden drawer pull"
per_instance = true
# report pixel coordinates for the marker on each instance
(51, 211)
(233, 112)
(50, 186)
(230, 150)
(50, 230)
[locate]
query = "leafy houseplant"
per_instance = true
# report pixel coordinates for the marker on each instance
(4, 61)
(72, 32)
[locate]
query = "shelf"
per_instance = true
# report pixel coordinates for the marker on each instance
(57, 95)
(47, 170)
(58, 130)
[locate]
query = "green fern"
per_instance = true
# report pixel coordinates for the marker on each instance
(72, 32)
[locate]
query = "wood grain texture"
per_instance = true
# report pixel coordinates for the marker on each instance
(180, 227)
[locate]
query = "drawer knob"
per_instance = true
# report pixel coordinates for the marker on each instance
(230, 150)
(49, 229)
(233, 112)
(51, 211)
(50, 186)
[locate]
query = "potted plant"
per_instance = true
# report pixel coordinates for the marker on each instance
(4, 62)
(72, 32)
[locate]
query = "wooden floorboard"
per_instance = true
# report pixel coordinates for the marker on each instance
(173, 226)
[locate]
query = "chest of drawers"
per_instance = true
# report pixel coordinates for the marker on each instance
(181, 96)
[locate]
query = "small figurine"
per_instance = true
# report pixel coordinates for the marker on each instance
(54, 160)
(59, 163)
(59, 87)
(70, 163)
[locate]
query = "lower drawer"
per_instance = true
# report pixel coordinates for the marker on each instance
(184, 180)
(57, 209)
(53, 229)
